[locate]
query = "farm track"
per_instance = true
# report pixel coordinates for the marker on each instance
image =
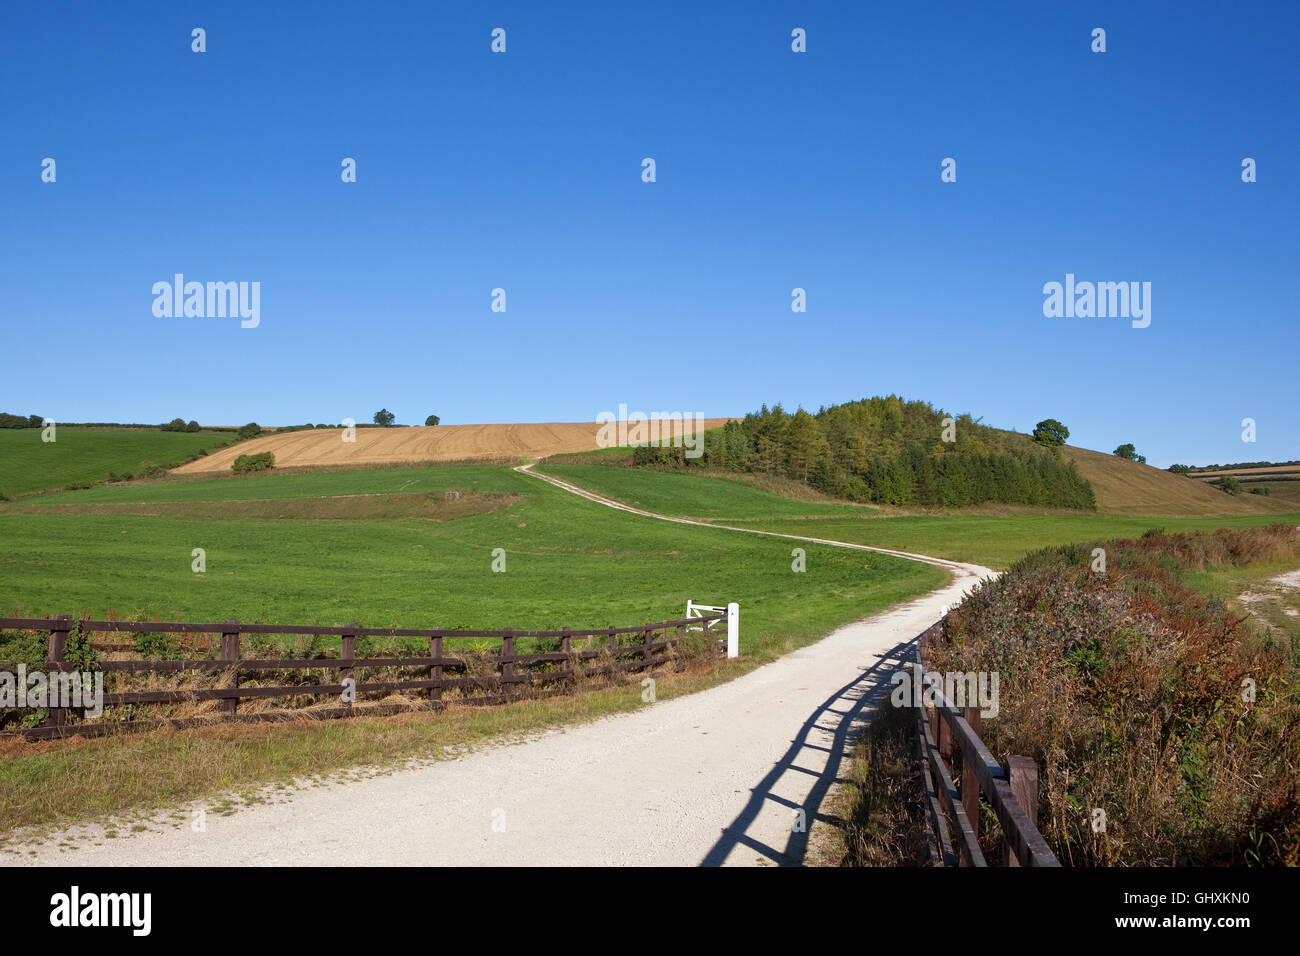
(720, 777)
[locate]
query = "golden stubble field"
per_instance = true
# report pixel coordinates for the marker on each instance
(386, 446)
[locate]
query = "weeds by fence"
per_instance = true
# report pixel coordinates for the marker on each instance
(952, 809)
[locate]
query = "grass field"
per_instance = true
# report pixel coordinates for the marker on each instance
(280, 548)
(84, 455)
(995, 541)
(695, 496)
(569, 562)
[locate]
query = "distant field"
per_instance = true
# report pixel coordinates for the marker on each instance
(1281, 492)
(569, 561)
(992, 540)
(1242, 472)
(325, 446)
(83, 455)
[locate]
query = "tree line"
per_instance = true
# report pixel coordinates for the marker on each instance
(889, 451)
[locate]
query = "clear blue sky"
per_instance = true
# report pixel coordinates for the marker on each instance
(775, 170)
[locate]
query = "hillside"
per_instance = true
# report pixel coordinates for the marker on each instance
(888, 450)
(388, 446)
(82, 455)
(1125, 487)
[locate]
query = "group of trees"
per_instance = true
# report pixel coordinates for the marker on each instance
(180, 425)
(386, 419)
(890, 451)
(20, 421)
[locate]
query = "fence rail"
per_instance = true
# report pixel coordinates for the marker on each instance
(953, 808)
(515, 675)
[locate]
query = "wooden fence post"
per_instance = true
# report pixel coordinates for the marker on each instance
(348, 652)
(648, 651)
(56, 650)
(566, 648)
(435, 672)
(507, 661)
(230, 652)
(970, 785)
(1022, 775)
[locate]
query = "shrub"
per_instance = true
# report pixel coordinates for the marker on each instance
(149, 470)
(1228, 484)
(192, 426)
(175, 425)
(1181, 469)
(1259, 491)
(259, 462)
(251, 430)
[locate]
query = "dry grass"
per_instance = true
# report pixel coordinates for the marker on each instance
(1125, 487)
(882, 798)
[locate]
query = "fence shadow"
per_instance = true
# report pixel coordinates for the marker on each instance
(832, 728)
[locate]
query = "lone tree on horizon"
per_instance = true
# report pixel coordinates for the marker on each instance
(1050, 432)
(432, 420)
(1128, 452)
(384, 417)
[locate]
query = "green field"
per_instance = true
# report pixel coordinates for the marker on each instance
(994, 541)
(85, 455)
(569, 562)
(695, 496)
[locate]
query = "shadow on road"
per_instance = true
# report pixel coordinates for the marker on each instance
(831, 729)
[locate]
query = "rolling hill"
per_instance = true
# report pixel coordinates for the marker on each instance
(391, 446)
(1127, 488)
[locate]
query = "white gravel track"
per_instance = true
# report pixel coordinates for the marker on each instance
(718, 777)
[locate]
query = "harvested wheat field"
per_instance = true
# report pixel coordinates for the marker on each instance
(387, 446)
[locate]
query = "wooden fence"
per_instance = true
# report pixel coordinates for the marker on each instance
(515, 675)
(953, 810)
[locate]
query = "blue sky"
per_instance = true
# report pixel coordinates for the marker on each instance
(775, 170)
